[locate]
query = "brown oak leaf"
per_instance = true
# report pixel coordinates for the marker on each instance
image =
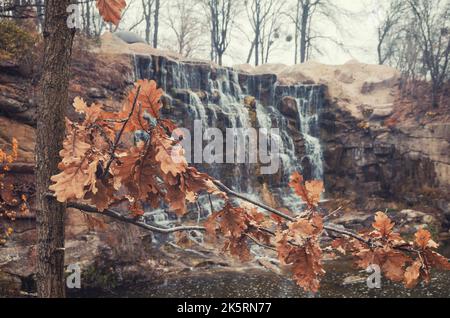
(111, 10)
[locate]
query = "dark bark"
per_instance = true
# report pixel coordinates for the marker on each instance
(304, 32)
(88, 19)
(156, 23)
(221, 16)
(58, 40)
(147, 11)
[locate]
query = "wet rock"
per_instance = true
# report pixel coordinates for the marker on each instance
(413, 216)
(250, 101)
(353, 280)
(96, 93)
(289, 107)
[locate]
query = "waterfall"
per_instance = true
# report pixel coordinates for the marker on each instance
(216, 96)
(308, 115)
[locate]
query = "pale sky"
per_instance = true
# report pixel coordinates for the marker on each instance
(358, 35)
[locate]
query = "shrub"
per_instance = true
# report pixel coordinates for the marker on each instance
(15, 43)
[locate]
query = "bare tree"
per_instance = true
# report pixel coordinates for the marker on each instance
(389, 31)
(221, 16)
(156, 23)
(151, 10)
(258, 12)
(433, 21)
(271, 30)
(185, 23)
(414, 37)
(304, 14)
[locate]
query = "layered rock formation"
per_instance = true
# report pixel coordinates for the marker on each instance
(332, 122)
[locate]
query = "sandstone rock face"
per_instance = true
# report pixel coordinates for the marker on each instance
(349, 86)
(25, 135)
(402, 163)
(362, 158)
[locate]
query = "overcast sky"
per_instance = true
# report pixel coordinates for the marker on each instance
(358, 34)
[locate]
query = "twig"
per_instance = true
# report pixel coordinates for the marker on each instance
(332, 213)
(261, 205)
(119, 136)
(260, 244)
(118, 216)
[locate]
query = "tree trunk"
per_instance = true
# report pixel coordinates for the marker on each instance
(257, 44)
(435, 95)
(88, 19)
(156, 21)
(147, 28)
(58, 39)
(250, 53)
(303, 33)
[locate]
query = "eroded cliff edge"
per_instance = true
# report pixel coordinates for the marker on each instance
(372, 159)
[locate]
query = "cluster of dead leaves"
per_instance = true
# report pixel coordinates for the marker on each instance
(101, 168)
(297, 244)
(7, 198)
(101, 165)
(299, 249)
(238, 225)
(400, 261)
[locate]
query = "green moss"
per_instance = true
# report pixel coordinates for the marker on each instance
(15, 43)
(100, 276)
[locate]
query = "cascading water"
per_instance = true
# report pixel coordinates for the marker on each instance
(308, 114)
(216, 96)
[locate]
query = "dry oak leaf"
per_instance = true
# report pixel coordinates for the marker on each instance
(148, 102)
(314, 189)
(437, 261)
(238, 247)
(383, 224)
(176, 198)
(75, 181)
(92, 113)
(104, 196)
(75, 144)
(111, 10)
(393, 266)
(304, 262)
(309, 191)
(412, 274)
(423, 240)
(137, 173)
(233, 221)
(149, 97)
(169, 154)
